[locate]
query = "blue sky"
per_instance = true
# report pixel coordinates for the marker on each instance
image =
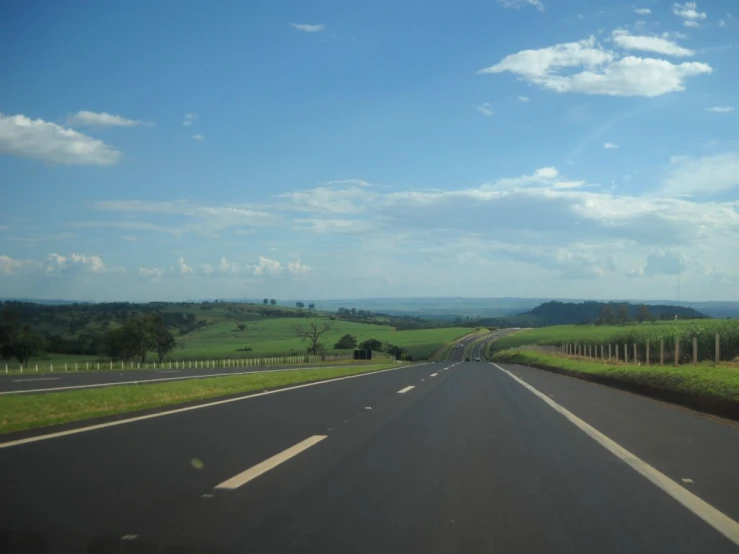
(297, 149)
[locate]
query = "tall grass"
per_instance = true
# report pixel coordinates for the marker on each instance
(704, 331)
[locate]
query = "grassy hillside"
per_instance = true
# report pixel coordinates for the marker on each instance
(269, 337)
(214, 330)
(639, 333)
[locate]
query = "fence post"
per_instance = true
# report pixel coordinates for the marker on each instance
(36, 368)
(626, 353)
(695, 350)
(718, 349)
(677, 351)
(21, 368)
(636, 355)
(52, 368)
(662, 352)
(617, 357)
(646, 354)
(610, 352)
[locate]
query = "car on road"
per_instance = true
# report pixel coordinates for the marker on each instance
(477, 359)
(467, 359)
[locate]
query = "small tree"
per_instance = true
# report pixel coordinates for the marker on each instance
(311, 306)
(265, 301)
(241, 327)
(26, 343)
(273, 301)
(644, 314)
(346, 342)
(622, 315)
(312, 333)
(606, 316)
(371, 344)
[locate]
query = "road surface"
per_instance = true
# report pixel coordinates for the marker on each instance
(447, 457)
(32, 383)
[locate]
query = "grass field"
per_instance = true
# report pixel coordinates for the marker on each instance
(39, 410)
(705, 330)
(272, 337)
(721, 383)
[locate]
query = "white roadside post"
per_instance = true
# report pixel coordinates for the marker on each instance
(718, 348)
(695, 350)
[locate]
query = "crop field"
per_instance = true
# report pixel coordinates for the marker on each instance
(271, 337)
(638, 333)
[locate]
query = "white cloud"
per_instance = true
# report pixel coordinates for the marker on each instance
(484, 109)
(297, 268)
(9, 266)
(267, 266)
(649, 44)
(720, 109)
(182, 267)
(152, 273)
(688, 11)
(610, 146)
(102, 119)
(189, 119)
(335, 199)
(74, 263)
(643, 11)
(523, 98)
(665, 262)
(703, 176)
(691, 24)
(307, 28)
(603, 72)
(516, 4)
(198, 137)
(42, 140)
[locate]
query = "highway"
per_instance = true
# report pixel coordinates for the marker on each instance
(59, 381)
(444, 457)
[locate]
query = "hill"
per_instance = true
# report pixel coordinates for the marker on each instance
(566, 313)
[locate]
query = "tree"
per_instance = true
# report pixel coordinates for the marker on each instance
(312, 333)
(164, 340)
(25, 343)
(354, 312)
(622, 315)
(644, 314)
(265, 301)
(371, 344)
(346, 342)
(311, 306)
(299, 305)
(273, 301)
(241, 326)
(606, 316)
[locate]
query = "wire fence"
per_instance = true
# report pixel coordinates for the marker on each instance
(67, 367)
(679, 351)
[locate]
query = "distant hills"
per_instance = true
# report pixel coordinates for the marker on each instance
(568, 313)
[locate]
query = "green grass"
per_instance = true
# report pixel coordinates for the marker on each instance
(703, 379)
(272, 337)
(639, 333)
(22, 412)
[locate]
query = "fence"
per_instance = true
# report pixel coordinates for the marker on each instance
(180, 364)
(671, 352)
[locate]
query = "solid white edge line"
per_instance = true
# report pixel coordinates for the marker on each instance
(406, 389)
(162, 379)
(713, 517)
(190, 408)
(35, 379)
(433, 375)
(270, 463)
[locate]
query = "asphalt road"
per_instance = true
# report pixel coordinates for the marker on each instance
(52, 382)
(434, 458)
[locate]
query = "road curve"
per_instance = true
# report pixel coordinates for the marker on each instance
(449, 457)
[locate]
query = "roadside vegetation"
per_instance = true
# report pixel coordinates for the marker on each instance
(702, 386)
(28, 411)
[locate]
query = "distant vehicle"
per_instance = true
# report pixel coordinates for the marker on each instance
(467, 359)
(477, 359)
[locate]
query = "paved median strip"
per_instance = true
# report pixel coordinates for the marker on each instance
(406, 389)
(263, 467)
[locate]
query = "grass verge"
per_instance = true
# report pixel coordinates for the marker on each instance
(18, 413)
(702, 387)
